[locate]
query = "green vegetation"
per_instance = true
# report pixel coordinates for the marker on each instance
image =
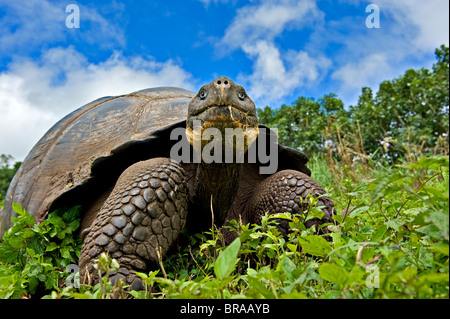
(383, 162)
(408, 116)
(34, 256)
(392, 242)
(6, 173)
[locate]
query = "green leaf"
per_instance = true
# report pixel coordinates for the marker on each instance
(379, 233)
(52, 246)
(392, 224)
(259, 287)
(30, 252)
(338, 241)
(18, 209)
(315, 212)
(226, 262)
(315, 245)
(359, 211)
(36, 245)
(16, 242)
(440, 248)
(332, 294)
(73, 214)
(333, 273)
(441, 221)
(288, 267)
(406, 275)
(355, 275)
(77, 295)
(65, 253)
(435, 278)
(8, 254)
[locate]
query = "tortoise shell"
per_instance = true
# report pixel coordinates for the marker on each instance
(78, 161)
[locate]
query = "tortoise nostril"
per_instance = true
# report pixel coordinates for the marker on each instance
(222, 82)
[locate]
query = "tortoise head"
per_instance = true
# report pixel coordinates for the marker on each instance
(222, 109)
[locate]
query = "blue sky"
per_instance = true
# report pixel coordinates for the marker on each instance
(277, 49)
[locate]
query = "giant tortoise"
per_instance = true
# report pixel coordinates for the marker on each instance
(140, 182)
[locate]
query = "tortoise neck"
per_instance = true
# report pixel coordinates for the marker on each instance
(217, 187)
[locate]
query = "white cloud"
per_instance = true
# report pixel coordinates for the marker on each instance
(275, 73)
(267, 20)
(430, 19)
(410, 31)
(364, 72)
(32, 23)
(36, 94)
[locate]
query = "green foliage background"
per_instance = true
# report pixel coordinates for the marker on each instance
(411, 113)
(384, 163)
(6, 173)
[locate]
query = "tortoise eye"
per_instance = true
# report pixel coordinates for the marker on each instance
(241, 95)
(202, 94)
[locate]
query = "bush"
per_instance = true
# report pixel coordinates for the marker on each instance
(6, 174)
(390, 242)
(33, 257)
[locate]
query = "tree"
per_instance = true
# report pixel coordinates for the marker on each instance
(408, 116)
(6, 173)
(302, 125)
(409, 113)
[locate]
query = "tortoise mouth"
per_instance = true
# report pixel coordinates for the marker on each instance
(222, 118)
(224, 106)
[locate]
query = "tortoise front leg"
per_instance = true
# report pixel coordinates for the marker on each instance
(287, 191)
(140, 220)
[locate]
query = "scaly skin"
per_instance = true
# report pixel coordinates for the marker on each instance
(287, 191)
(142, 217)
